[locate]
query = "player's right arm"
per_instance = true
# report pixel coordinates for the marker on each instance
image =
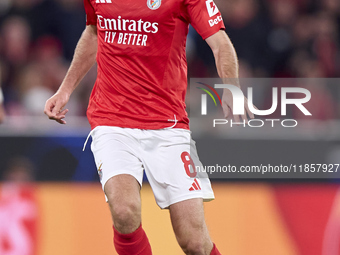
(84, 58)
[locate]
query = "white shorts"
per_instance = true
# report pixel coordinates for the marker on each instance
(164, 154)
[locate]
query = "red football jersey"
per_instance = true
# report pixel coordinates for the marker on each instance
(142, 68)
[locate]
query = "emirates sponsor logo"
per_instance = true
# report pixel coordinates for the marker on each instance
(120, 24)
(136, 30)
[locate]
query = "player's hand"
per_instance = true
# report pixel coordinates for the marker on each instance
(227, 106)
(55, 105)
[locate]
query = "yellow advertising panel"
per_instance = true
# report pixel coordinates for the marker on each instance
(72, 219)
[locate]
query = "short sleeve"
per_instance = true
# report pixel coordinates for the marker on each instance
(91, 17)
(204, 16)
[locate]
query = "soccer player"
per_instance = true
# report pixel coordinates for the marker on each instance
(137, 111)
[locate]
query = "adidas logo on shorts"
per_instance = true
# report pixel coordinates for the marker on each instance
(195, 186)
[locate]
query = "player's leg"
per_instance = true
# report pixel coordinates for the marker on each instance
(121, 174)
(187, 218)
(123, 194)
(169, 159)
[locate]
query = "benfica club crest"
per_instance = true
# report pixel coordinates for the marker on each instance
(153, 4)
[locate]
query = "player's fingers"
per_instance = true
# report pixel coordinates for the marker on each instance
(60, 115)
(244, 118)
(63, 112)
(57, 108)
(56, 117)
(60, 118)
(61, 121)
(48, 108)
(226, 111)
(237, 118)
(251, 115)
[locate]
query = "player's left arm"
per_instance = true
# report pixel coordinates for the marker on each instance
(227, 68)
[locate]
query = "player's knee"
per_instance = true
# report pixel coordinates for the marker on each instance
(126, 217)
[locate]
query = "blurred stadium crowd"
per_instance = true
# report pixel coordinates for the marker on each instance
(273, 38)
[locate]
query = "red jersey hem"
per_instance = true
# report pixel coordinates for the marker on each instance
(210, 33)
(153, 126)
(91, 22)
